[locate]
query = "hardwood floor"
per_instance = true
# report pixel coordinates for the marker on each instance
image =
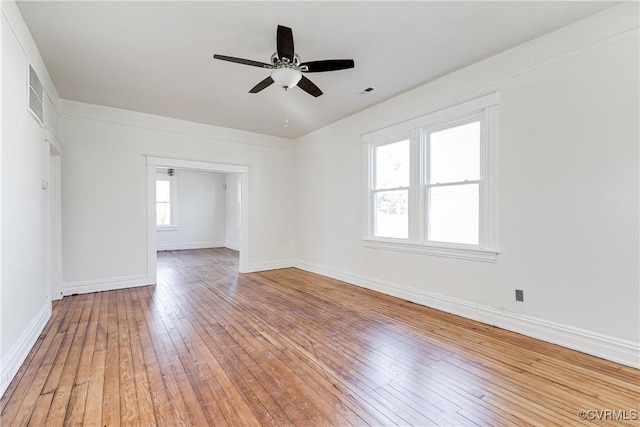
(208, 346)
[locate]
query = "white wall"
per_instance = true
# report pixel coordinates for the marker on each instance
(232, 211)
(567, 187)
(25, 305)
(105, 216)
(199, 212)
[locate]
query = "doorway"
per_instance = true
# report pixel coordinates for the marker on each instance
(153, 163)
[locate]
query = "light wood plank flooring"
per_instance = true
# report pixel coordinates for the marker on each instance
(208, 346)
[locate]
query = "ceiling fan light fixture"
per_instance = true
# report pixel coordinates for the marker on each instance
(286, 77)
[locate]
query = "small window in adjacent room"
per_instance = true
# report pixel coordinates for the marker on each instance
(238, 201)
(429, 185)
(165, 197)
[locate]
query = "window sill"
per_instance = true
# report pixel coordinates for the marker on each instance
(166, 228)
(458, 253)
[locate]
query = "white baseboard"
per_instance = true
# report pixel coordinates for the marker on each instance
(234, 246)
(110, 284)
(271, 265)
(18, 353)
(189, 245)
(606, 347)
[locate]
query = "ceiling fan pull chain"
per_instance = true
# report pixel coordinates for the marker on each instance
(286, 108)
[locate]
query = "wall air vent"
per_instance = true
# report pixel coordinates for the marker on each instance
(35, 96)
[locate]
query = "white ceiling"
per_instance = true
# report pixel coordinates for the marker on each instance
(156, 57)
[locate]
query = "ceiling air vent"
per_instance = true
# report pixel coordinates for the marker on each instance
(35, 95)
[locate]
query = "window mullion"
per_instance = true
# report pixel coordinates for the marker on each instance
(415, 212)
(424, 185)
(419, 179)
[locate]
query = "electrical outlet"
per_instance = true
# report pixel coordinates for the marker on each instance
(519, 295)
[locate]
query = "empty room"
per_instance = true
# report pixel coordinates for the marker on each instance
(310, 213)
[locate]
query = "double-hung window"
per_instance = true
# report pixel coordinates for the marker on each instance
(452, 183)
(429, 183)
(391, 189)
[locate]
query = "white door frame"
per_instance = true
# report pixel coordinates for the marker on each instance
(155, 162)
(54, 217)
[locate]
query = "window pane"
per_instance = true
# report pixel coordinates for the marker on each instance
(163, 214)
(392, 214)
(392, 165)
(455, 154)
(163, 191)
(454, 214)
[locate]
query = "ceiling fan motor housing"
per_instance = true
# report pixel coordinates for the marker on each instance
(284, 62)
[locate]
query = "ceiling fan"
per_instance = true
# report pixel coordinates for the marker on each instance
(287, 68)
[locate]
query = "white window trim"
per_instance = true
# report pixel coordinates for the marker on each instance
(483, 108)
(174, 198)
